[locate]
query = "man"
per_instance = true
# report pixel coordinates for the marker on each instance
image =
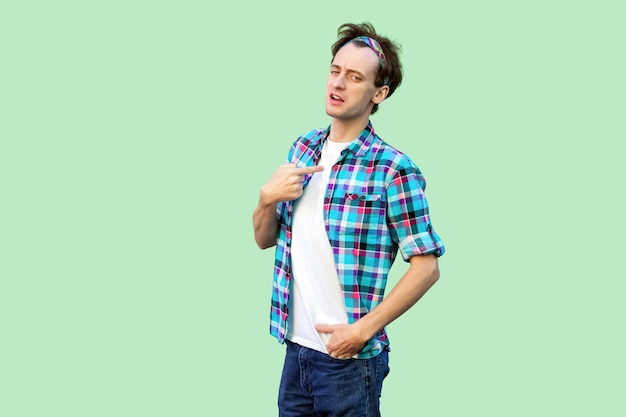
(338, 212)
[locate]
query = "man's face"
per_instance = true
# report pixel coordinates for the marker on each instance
(350, 90)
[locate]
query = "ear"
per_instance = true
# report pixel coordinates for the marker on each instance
(381, 94)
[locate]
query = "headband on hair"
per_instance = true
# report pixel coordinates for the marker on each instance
(374, 46)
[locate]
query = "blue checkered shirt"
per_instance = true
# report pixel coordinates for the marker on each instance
(373, 206)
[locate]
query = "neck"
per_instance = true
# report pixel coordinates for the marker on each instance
(346, 130)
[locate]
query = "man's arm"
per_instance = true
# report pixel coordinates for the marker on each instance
(265, 224)
(348, 339)
(285, 185)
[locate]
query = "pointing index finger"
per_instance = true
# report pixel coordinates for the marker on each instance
(310, 170)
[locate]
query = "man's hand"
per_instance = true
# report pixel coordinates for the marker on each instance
(286, 184)
(345, 341)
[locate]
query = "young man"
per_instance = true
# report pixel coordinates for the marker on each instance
(338, 212)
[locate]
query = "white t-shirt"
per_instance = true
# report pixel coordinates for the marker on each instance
(316, 297)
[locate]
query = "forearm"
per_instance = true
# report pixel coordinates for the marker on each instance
(419, 278)
(265, 224)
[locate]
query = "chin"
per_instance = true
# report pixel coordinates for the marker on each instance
(336, 111)
(332, 112)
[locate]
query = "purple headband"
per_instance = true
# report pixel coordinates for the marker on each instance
(374, 46)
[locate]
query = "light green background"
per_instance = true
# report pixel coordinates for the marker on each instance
(135, 136)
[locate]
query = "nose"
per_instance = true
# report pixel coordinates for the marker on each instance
(339, 81)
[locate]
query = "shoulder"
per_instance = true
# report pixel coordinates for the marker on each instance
(312, 136)
(306, 143)
(393, 159)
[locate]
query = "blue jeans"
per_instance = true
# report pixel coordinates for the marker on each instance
(314, 384)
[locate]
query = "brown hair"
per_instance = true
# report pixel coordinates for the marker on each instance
(390, 70)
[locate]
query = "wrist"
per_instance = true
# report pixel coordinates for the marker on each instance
(265, 198)
(363, 331)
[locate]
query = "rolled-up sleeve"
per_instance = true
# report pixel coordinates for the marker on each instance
(407, 214)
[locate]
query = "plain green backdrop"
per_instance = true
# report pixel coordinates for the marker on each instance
(135, 136)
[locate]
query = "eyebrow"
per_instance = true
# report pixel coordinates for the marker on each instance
(349, 70)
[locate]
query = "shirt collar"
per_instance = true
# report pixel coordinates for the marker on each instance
(362, 143)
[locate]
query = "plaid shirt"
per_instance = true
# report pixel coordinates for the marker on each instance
(374, 205)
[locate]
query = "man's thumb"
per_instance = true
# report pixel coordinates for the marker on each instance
(324, 328)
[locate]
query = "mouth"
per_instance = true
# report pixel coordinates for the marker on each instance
(335, 97)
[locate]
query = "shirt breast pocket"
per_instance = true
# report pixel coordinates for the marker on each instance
(364, 217)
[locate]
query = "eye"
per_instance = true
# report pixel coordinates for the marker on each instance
(356, 78)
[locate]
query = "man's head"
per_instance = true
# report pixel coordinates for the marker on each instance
(388, 71)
